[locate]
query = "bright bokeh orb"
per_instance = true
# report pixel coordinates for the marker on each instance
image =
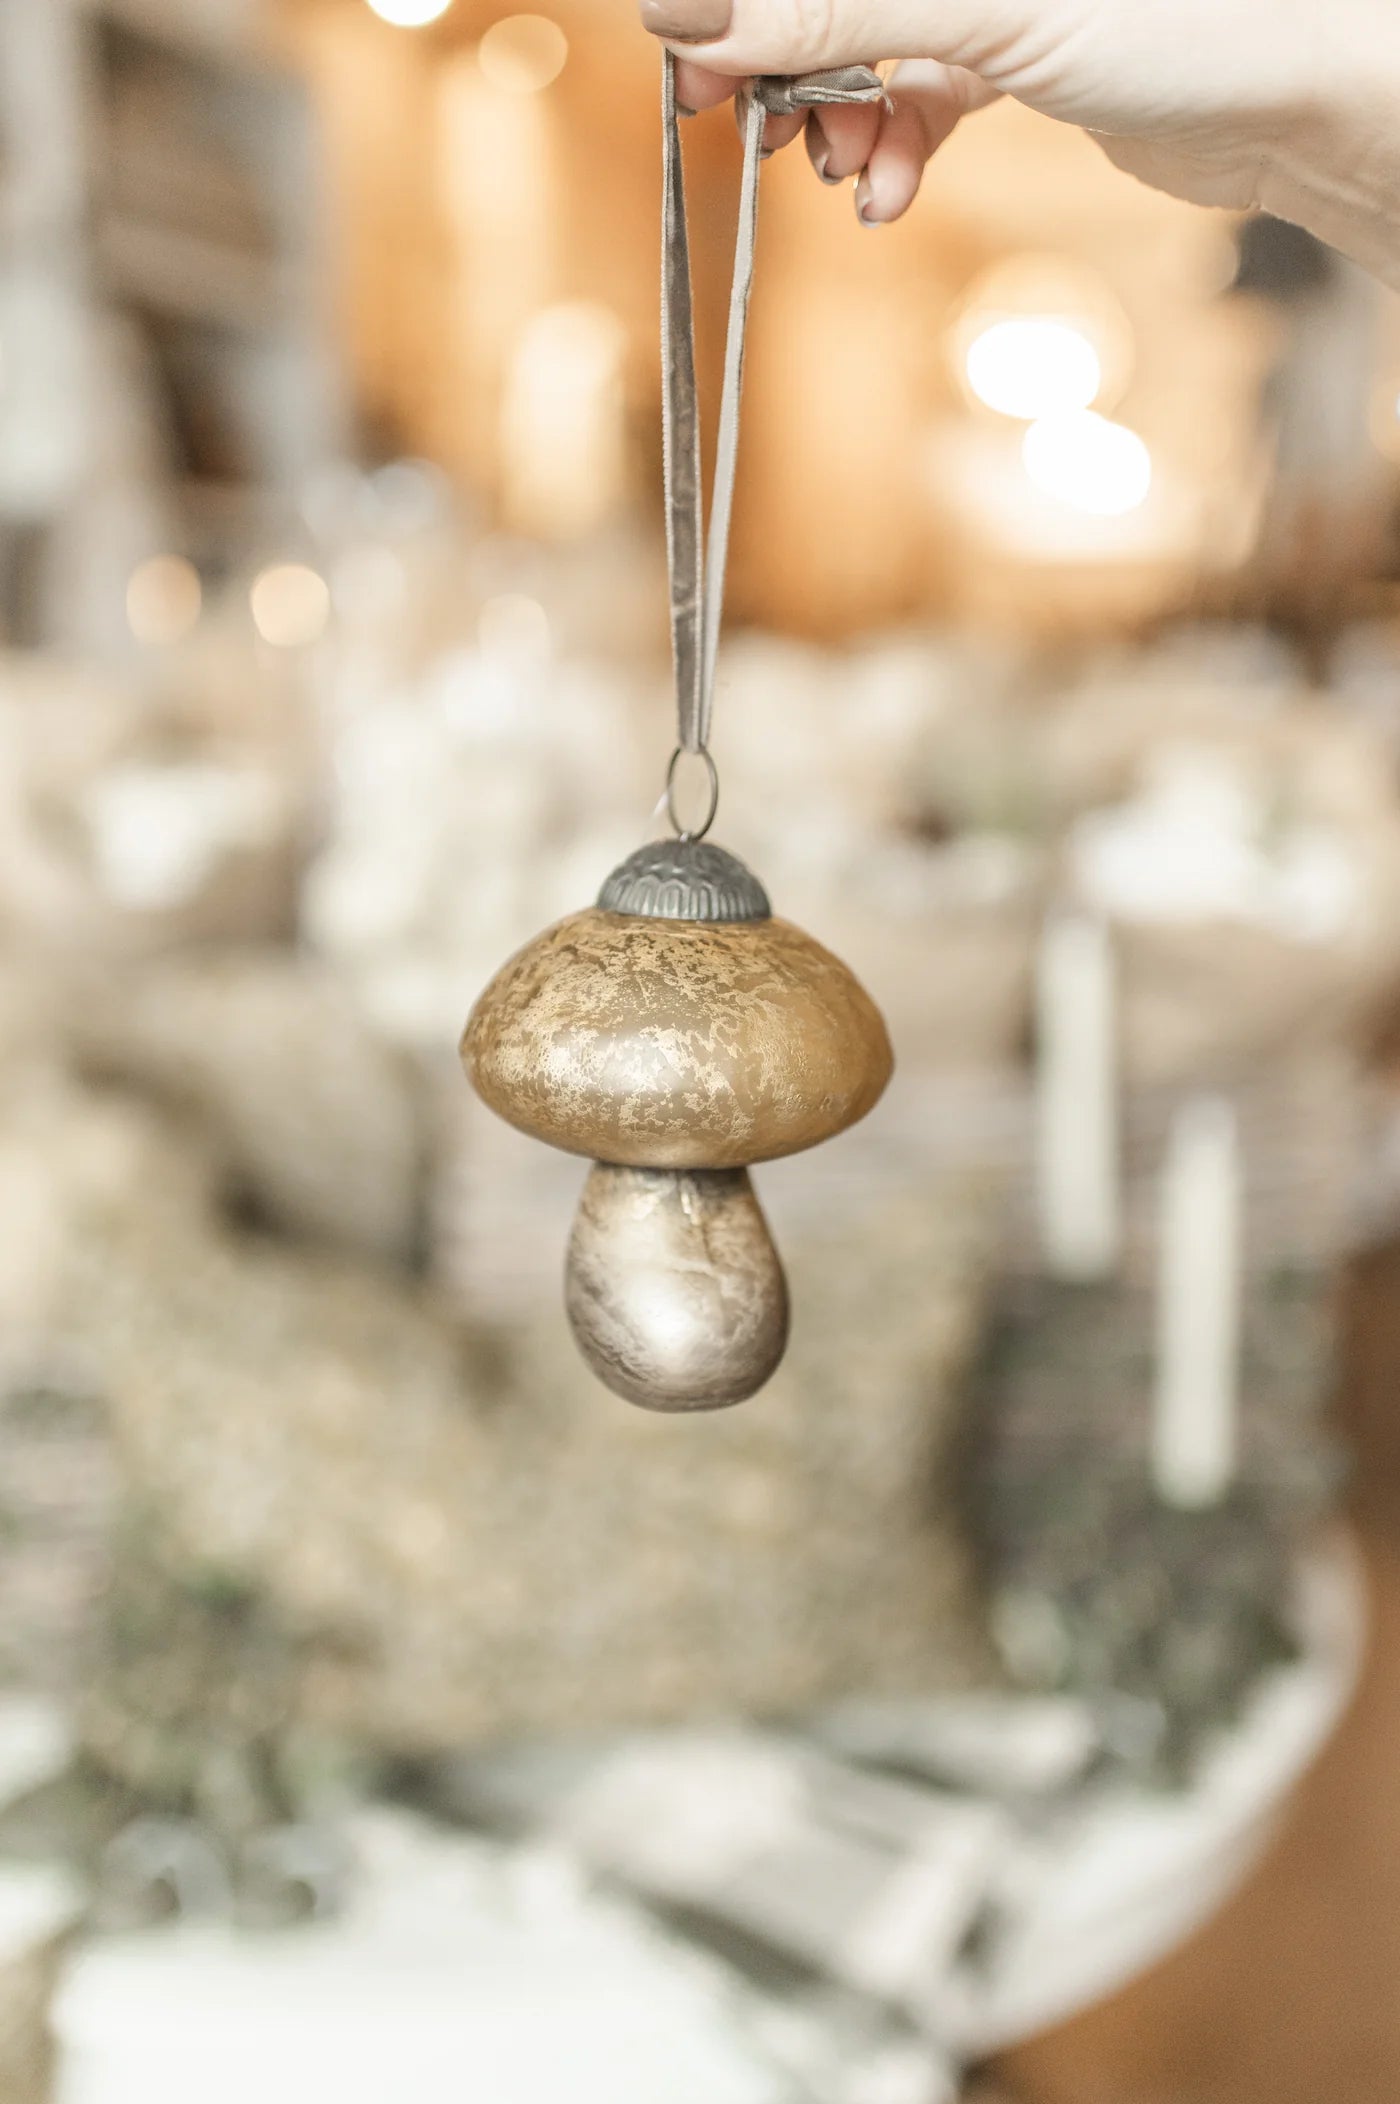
(1033, 365)
(1040, 335)
(164, 599)
(410, 14)
(521, 54)
(291, 605)
(1088, 463)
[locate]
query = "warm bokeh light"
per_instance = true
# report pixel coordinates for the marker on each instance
(1089, 463)
(563, 424)
(1039, 336)
(523, 53)
(291, 605)
(369, 586)
(515, 627)
(1385, 415)
(406, 497)
(410, 14)
(164, 599)
(1030, 366)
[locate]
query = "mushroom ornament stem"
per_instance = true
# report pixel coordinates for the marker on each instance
(674, 1291)
(677, 1032)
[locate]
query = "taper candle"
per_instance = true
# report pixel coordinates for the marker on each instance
(1196, 1418)
(1077, 1099)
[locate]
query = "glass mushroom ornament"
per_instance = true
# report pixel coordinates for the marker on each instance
(677, 1033)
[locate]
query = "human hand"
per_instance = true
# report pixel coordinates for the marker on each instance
(1286, 104)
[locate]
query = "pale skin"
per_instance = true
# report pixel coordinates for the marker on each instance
(1292, 106)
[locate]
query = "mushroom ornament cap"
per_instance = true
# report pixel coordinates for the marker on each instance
(677, 1044)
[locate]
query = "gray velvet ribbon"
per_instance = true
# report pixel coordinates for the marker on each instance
(697, 571)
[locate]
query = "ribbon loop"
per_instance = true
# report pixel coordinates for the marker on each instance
(696, 570)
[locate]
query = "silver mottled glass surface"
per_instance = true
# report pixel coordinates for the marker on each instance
(675, 1293)
(690, 880)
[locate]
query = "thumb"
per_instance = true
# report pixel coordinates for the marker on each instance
(996, 39)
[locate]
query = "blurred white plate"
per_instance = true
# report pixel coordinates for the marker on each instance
(1116, 1890)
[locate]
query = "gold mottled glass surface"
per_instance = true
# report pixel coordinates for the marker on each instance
(677, 1044)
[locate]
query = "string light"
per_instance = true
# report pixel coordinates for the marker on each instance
(164, 599)
(410, 14)
(291, 606)
(1088, 463)
(521, 54)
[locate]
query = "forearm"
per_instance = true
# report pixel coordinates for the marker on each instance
(1338, 171)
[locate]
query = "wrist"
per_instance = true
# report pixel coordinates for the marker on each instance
(1336, 169)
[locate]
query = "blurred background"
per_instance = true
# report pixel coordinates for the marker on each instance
(989, 1709)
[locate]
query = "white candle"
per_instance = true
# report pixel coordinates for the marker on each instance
(1077, 1099)
(1195, 1424)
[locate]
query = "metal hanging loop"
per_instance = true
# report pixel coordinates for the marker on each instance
(684, 832)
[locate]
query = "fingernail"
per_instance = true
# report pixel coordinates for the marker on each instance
(865, 202)
(687, 21)
(683, 109)
(819, 150)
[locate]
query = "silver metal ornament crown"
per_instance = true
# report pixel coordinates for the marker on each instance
(685, 880)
